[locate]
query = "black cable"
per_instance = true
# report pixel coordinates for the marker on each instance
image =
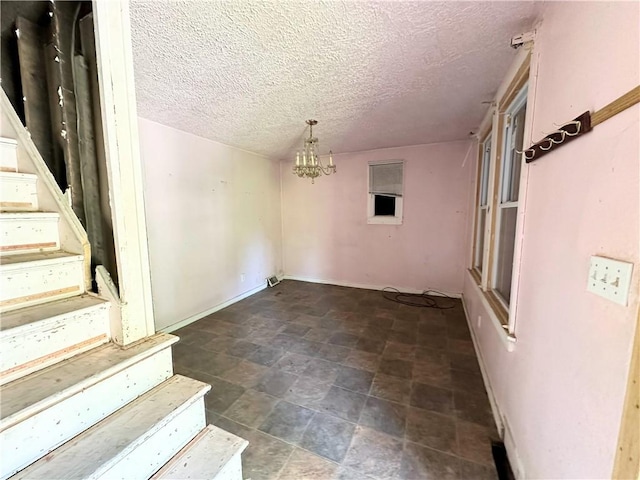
(423, 299)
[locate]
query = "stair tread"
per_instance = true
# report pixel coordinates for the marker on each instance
(35, 392)
(36, 257)
(97, 449)
(37, 313)
(205, 456)
(8, 140)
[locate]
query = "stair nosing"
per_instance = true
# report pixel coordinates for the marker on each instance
(19, 175)
(141, 436)
(237, 447)
(163, 341)
(7, 214)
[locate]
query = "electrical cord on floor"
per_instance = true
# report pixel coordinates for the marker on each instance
(423, 299)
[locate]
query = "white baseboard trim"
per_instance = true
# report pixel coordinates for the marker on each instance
(198, 316)
(495, 410)
(366, 286)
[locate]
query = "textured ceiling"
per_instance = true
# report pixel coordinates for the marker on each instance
(374, 74)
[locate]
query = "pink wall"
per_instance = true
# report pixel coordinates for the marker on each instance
(326, 236)
(213, 221)
(562, 389)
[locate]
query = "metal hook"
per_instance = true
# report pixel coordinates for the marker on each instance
(562, 133)
(550, 144)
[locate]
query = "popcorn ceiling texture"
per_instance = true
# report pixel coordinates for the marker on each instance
(374, 74)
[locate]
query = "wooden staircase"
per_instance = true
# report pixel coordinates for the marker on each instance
(73, 404)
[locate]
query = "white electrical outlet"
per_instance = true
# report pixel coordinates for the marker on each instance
(242, 277)
(610, 279)
(479, 321)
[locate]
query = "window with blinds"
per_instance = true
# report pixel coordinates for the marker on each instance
(385, 192)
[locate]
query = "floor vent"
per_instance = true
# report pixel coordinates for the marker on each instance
(273, 281)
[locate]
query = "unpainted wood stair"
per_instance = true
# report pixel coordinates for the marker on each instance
(72, 403)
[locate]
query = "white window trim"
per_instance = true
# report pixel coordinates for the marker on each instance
(486, 157)
(384, 219)
(506, 328)
(518, 102)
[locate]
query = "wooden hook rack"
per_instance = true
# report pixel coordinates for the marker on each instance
(580, 125)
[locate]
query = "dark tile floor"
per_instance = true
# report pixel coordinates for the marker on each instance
(329, 382)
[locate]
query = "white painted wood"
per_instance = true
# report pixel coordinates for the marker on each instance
(48, 427)
(8, 157)
(35, 337)
(124, 167)
(212, 454)
(135, 441)
(24, 397)
(73, 237)
(27, 232)
(35, 278)
(18, 191)
(163, 444)
(107, 289)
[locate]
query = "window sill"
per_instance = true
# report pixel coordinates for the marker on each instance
(384, 220)
(497, 313)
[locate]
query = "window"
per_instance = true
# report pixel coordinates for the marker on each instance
(496, 210)
(482, 204)
(385, 192)
(507, 205)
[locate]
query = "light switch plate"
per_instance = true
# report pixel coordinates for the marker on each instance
(610, 279)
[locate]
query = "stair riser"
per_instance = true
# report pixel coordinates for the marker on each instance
(18, 192)
(25, 235)
(8, 156)
(34, 283)
(157, 449)
(40, 344)
(34, 437)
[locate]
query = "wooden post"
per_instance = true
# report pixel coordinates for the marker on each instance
(120, 122)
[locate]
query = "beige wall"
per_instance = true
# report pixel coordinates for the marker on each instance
(213, 215)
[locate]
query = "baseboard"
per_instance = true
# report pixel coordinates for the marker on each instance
(366, 286)
(495, 410)
(198, 316)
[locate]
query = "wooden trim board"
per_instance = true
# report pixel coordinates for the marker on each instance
(627, 461)
(618, 105)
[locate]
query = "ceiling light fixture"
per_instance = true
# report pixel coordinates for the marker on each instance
(309, 164)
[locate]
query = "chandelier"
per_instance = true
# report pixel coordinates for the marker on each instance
(308, 164)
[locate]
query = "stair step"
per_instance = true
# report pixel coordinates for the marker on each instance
(32, 278)
(45, 409)
(135, 441)
(212, 454)
(29, 232)
(8, 155)
(35, 337)
(18, 191)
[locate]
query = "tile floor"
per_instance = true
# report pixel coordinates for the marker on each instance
(329, 382)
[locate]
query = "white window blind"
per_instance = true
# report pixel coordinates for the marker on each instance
(386, 179)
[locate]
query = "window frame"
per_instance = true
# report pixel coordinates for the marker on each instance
(485, 161)
(395, 219)
(518, 85)
(505, 166)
